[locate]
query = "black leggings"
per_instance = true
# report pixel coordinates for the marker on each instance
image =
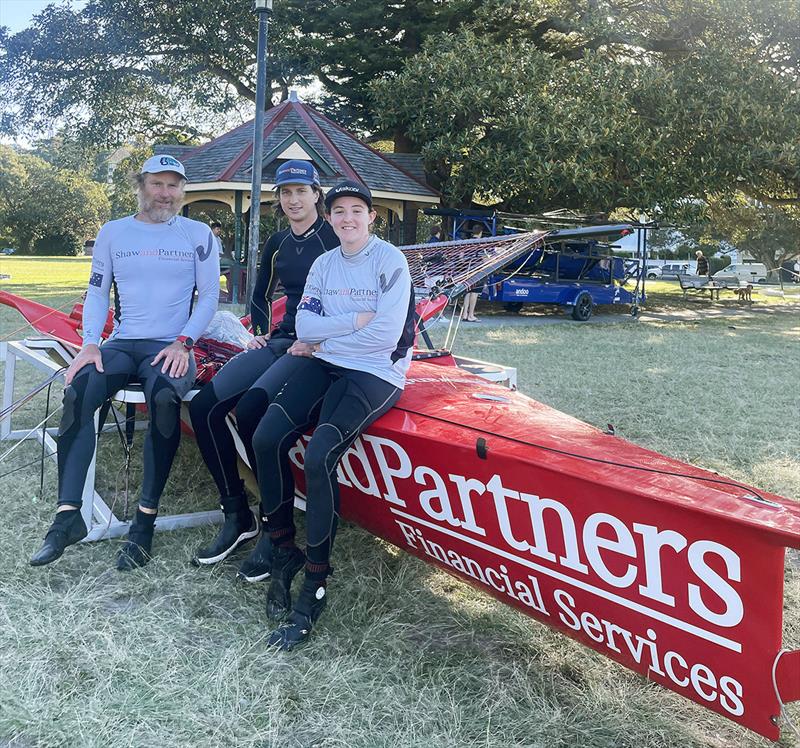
(342, 402)
(244, 383)
(122, 360)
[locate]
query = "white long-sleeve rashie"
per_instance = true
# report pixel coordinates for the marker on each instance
(155, 268)
(338, 288)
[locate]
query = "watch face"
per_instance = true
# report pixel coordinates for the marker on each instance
(188, 343)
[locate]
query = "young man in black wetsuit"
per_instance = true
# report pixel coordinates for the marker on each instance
(244, 382)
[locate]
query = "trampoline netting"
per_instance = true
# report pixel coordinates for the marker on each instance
(450, 268)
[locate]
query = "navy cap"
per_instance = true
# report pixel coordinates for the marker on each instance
(296, 172)
(348, 188)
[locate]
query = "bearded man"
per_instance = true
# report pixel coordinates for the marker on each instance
(154, 260)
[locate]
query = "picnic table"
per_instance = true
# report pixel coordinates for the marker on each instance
(700, 283)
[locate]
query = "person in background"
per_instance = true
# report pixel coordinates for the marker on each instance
(471, 296)
(702, 263)
(245, 382)
(436, 233)
(154, 260)
(216, 229)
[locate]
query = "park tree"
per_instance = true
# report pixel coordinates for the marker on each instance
(769, 233)
(557, 103)
(509, 124)
(353, 43)
(39, 203)
(114, 69)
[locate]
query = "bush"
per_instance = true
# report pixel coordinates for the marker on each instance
(64, 245)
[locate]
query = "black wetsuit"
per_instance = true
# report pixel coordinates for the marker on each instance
(123, 359)
(342, 403)
(245, 382)
(287, 258)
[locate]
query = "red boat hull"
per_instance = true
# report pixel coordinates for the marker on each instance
(665, 568)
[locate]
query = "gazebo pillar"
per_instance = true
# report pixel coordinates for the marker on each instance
(237, 231)
(410, 215)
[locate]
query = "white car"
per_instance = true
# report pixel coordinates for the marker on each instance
(653, 271)
(749, 272)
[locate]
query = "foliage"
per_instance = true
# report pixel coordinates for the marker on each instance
(771, 234)
(39, 201)
(555, 103)
(506, 121)
(120, 68)
(58, 244)
(353, 43)
(117, 68)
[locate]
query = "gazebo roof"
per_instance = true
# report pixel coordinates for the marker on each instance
(295, 130)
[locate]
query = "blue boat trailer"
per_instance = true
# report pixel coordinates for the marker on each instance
(575, 269)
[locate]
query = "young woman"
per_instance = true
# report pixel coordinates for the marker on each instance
(355, 330)
(245, 381)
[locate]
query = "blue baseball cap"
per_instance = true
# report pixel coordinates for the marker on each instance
(296, 172)
(348, 188)
(162, 162)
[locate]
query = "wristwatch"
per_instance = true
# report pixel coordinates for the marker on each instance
(188, 343)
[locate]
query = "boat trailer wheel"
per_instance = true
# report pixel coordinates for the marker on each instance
(582, 309)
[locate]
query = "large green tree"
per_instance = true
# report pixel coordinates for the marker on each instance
(514, 125)
(118, 68)
(39, 202)
(113, 69)
(769, 233)
(353, 43)
(595, 106)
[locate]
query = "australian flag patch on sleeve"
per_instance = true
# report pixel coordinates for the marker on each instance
(311, 304)
(96, 279)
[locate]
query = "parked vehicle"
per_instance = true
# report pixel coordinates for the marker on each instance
(671, 270)
(7, 251)
(653, 272)
(749, 272)
(574, 268)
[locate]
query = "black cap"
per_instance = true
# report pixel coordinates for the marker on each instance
(351, 188)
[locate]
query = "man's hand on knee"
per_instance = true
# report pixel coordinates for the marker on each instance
(176, 360)
(89, 354)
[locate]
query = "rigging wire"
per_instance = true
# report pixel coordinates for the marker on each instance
(17, 404)
(22, 440)
(44, 435)
(26, 465)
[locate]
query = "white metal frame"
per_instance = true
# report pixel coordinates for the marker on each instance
(99, 517)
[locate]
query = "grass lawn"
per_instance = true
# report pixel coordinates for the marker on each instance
(405, 655)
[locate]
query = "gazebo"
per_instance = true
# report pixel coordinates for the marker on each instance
(221, 170)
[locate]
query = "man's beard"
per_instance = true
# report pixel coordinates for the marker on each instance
(158, 213)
